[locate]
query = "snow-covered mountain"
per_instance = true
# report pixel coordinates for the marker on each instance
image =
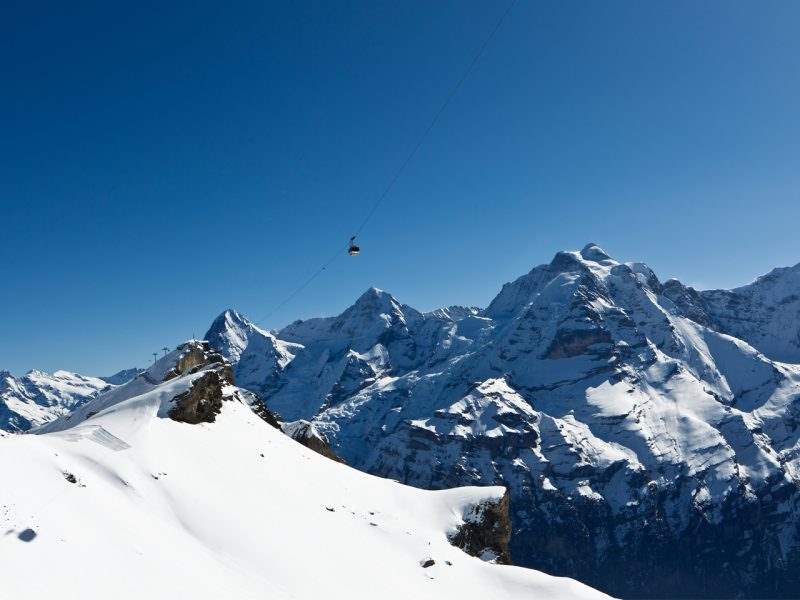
(123, 376)
(38, 397)
(173, 486)
(647, 432)
(763, 313)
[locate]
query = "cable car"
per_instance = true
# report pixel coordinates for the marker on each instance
(352, 249)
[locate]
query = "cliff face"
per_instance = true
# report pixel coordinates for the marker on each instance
(201, 403)
(486, 530)
(306, 434)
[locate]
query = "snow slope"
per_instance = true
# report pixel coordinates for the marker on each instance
(129, 503)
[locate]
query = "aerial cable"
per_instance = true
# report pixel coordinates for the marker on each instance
(435, 119)
(303, 286)
(453, 91)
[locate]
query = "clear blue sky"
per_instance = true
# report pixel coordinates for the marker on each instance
(163, 161)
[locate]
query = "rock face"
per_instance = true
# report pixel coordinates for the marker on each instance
(305, 433)
(201, 403)
(486, 531)
(647, 450)
(195, 355)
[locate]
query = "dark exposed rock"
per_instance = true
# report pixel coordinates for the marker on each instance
(260, 409)
(569, 343)
(486, 531)
(196, 355)
(201, 403)
(308, 435)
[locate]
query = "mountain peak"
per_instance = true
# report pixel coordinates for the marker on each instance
(374, 292)
(594, 253)
(230, 315)
(376, 298)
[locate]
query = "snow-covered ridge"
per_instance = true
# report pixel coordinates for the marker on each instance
(230, 507)
(763, 313)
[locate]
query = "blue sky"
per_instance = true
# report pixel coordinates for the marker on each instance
(162, 162)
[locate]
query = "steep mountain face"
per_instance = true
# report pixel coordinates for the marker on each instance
(171, 486)
(255, 353)
(763, 313)
(648, 451)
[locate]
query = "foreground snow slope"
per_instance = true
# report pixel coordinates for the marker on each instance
(229, 509)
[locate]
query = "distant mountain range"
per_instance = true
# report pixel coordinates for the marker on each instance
(38, 397)
(647, 432)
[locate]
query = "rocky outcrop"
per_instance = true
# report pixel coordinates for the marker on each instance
(201, 403)
(196, 355)
(260, 409)
(486, 531)
(306, 434)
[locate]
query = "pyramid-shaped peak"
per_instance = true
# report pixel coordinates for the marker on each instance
(228, 320)
(374, 292)
(232, 316)
(375, 297)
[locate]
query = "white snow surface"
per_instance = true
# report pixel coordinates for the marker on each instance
(230, 509)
